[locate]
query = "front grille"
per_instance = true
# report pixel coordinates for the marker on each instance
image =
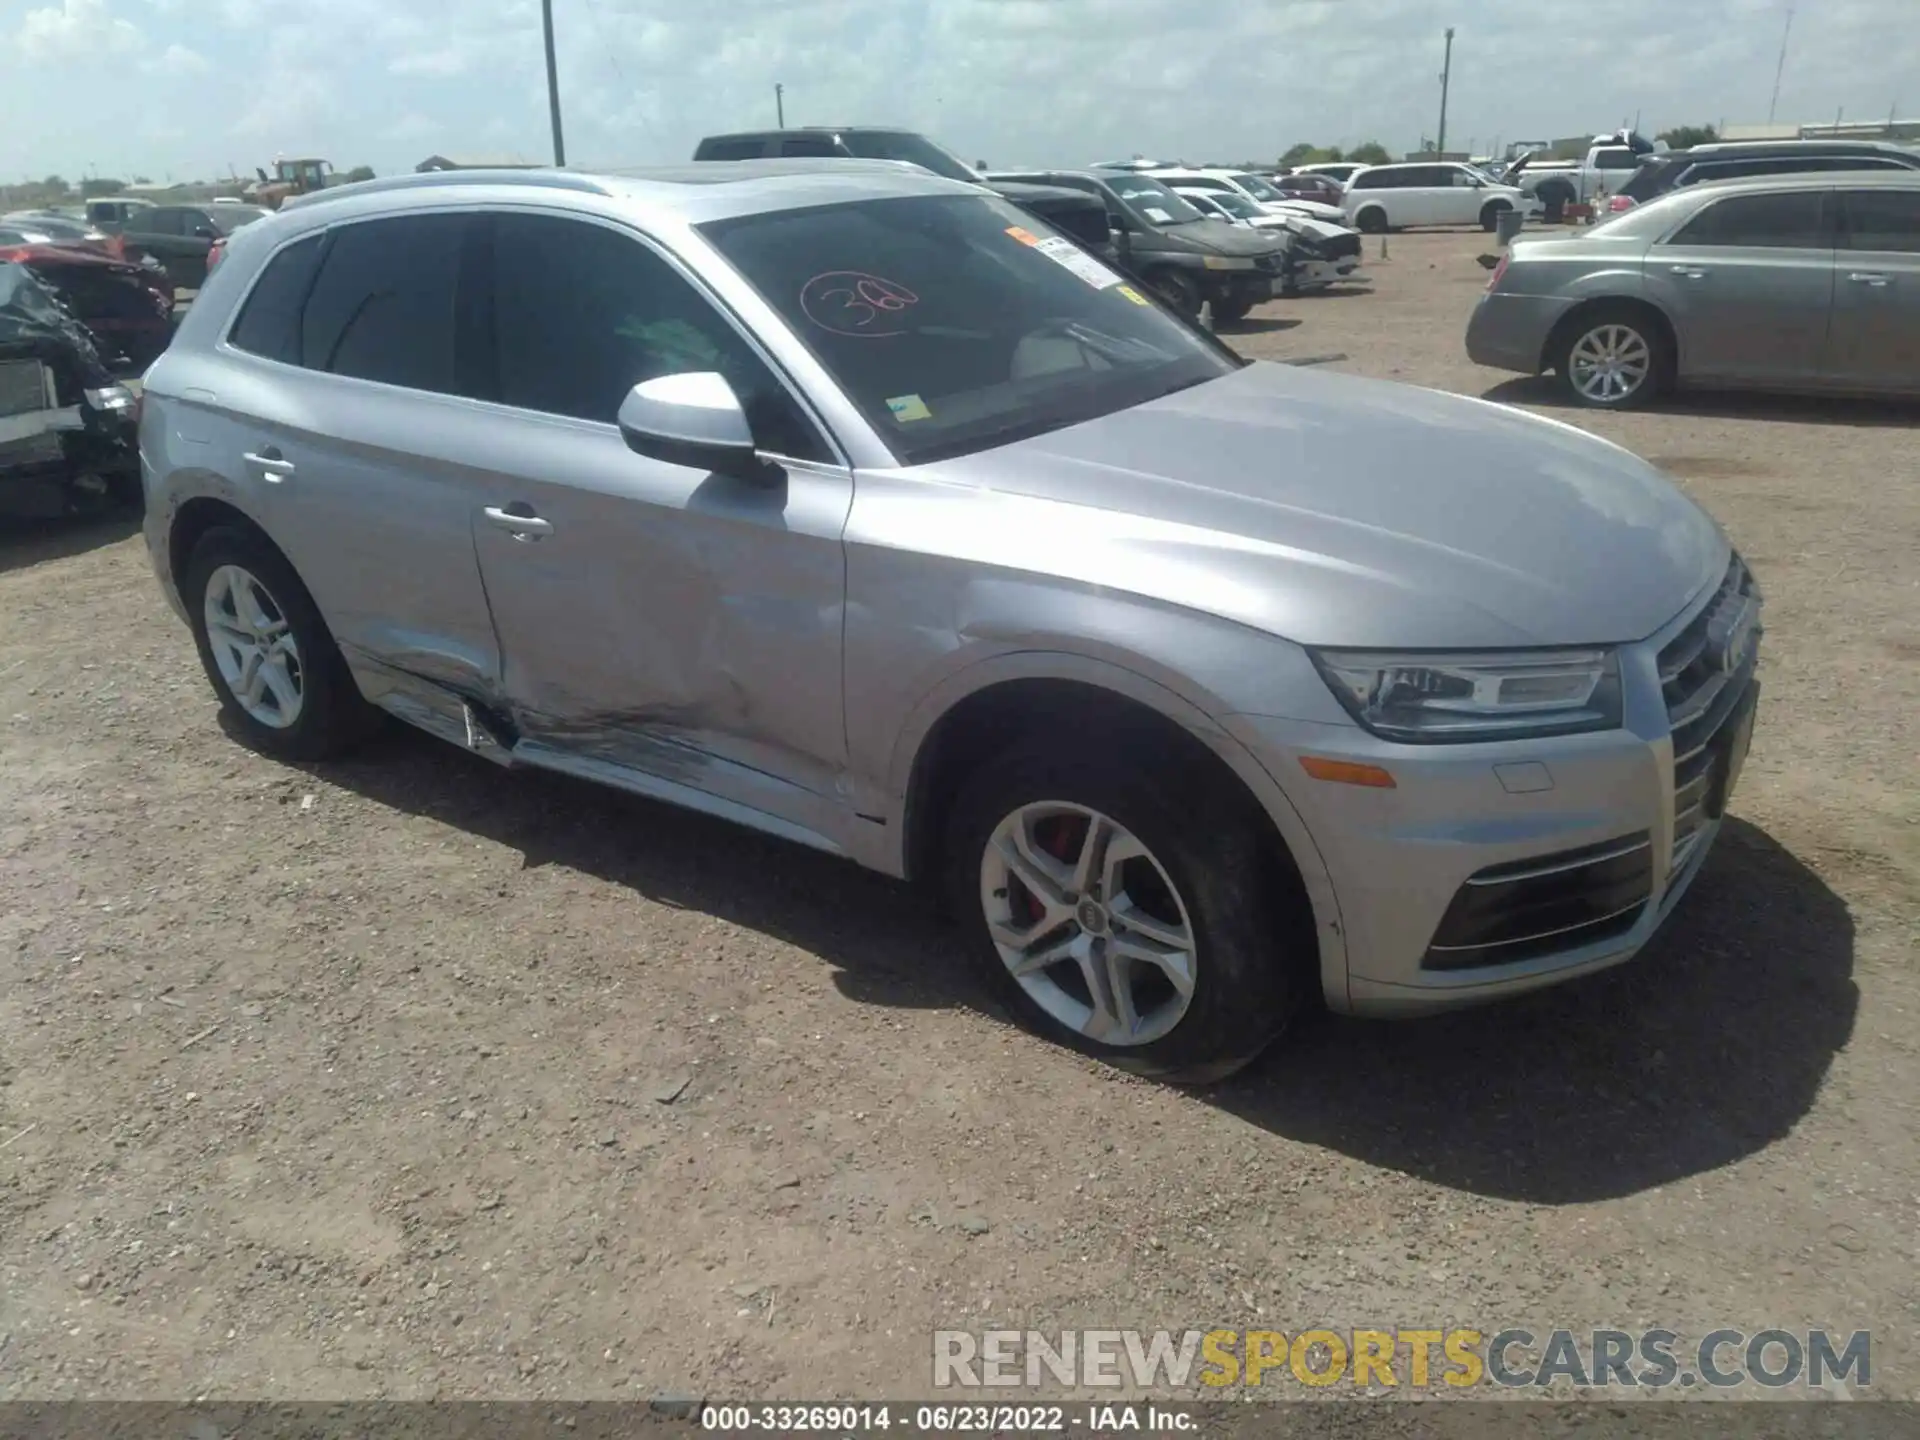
(1341, 246)
(1545, 904)
(1706, 674)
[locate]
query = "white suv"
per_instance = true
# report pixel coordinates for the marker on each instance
(1392, 197)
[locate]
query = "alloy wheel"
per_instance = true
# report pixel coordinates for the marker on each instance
(1089, 923)
(1609, 363)
(254, 647)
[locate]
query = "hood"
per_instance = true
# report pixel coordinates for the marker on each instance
(1224, 239)
(1311, 210)
(1333, 510)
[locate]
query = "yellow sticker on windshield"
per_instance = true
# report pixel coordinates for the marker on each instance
(909, 407)
(1134, 295)
(1023, 235)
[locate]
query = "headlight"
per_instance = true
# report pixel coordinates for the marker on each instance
(1229, 262)
(1496, 695)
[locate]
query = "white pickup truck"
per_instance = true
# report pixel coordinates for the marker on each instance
(1557, 184)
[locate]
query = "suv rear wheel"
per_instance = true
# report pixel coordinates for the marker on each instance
(1113, 915)
(268, 654)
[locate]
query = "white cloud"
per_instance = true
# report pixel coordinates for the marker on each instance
(440, 63)
(178, 59)
(74, 30)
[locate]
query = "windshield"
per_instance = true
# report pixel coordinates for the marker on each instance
(1153, 200)
(1237, 206)
(905, 145)
(957, 322)
(1258, 188)
(229, 218)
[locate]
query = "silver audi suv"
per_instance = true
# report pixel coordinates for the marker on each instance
(848, 503)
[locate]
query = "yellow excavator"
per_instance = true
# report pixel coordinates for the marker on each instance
(290, 177)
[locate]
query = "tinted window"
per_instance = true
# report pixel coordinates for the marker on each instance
(1376, 180)
(1649, 180)
(1792, 218)
(382, 308)
(162, 222)
(957, 322)
(269, 323)
(906, 145)
(809, 145)
(582, 314)
(1616, 158)
(750, 148)
(1883, 220)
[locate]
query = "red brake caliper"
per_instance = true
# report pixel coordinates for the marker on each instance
(1058, 838)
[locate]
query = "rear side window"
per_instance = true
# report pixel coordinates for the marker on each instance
(582, 314)
(269, 323)
(1793, 219)
(163, 222)
(1615, 158)
(810, 145)
(1884, 220)
(382, 307)
(748, 147)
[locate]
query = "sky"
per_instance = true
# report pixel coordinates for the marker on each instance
(179, 89)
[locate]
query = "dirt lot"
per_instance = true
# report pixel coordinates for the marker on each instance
(406, 1077)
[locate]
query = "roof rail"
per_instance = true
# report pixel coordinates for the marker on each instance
(533, 179)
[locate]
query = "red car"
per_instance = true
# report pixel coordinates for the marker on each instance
(128, 308)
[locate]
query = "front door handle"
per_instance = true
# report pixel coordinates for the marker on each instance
(522, 526)
(1690, 272)
(272, 465)
(1866, 277)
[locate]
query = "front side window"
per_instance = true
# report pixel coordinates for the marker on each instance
(1374, 180)
(1258, 188)
(1791, 219)
(583, 313)
(957, 322)
(1149, 198)
(1464, 179)
(382, 306)
(164, 222)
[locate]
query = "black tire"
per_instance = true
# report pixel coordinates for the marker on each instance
(332, 714)
(1633, 318)
(1244, 991)
(1490, 214)
(1371, 220)
(1225, 312)
(1179, 291)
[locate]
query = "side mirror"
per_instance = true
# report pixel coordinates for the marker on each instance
(691, 419)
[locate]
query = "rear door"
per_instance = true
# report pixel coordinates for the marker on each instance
(356, 451)
(1875, 342)
(1748, 282)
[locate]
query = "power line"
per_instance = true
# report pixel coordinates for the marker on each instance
(1781, 68)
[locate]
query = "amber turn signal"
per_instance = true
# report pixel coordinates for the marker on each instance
(1346, 772)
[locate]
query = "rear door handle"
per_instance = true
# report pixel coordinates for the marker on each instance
(1864, 277)
(522, 527)
(1691, 272)
(273, 467)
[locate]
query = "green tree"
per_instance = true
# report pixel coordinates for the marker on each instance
(1371, 153)
(1685, 137)
(1301, 154)
(54, 183)
(357, 174)
(91, 188)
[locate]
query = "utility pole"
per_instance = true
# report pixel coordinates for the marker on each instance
(780, 104)
(1780, 69)
(553, 85)
(1446, 76)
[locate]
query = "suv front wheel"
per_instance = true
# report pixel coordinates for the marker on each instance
(1113, 916)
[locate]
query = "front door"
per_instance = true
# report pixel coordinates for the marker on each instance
(1875, 344)
(652, 617)
(1748, 282)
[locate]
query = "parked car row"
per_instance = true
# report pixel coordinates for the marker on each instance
(840, 500)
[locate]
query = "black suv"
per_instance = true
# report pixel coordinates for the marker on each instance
(1175, 251)
(1070, 212)
(1747, 160)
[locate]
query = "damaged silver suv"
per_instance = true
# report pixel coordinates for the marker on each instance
(849, 503)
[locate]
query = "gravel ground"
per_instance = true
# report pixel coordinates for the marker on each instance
(406, 1077)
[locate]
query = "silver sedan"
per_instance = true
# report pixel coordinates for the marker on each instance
(1800, 282)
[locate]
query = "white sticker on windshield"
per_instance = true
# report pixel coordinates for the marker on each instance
(1157, 215)
(1066, 253)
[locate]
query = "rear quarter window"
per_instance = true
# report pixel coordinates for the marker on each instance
(269, 322)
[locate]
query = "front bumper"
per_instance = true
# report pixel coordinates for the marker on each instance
(1497, 868)
(1509, 332)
